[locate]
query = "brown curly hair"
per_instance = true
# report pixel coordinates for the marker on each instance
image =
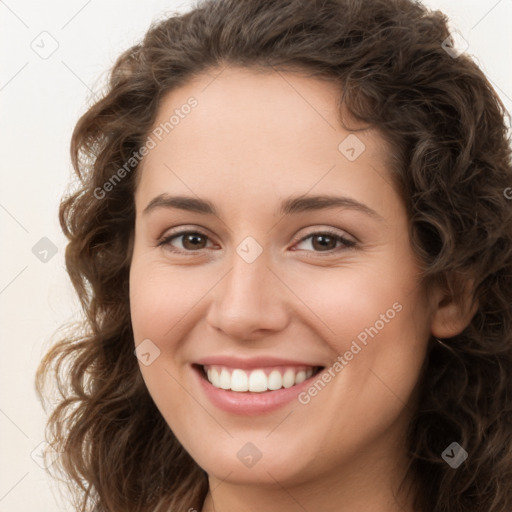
(452, 167)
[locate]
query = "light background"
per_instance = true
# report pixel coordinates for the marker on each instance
(40, 101)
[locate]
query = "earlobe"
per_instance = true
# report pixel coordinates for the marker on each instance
(452, 316)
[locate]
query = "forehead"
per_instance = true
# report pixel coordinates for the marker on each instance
(253, 104)
(267, 130)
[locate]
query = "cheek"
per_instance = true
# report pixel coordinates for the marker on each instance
(359, 302)
(151, 303)
(376, 318)
(160, 296)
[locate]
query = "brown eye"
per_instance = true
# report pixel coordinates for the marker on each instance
(326, 242)
(190, 241)
(323, 242)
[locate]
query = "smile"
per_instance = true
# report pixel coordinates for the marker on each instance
(257, 380)
(252, 386)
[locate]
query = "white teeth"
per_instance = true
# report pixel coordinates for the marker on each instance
(239, 381)
(214, 377)
(300, 377)
(225, 379)
(288, 378)
(256, 381)
(275, 381)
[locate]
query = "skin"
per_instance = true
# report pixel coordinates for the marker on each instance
(255, 139)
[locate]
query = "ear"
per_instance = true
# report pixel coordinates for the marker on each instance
(452, 313)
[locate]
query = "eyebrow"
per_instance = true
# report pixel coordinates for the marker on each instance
(292, 205)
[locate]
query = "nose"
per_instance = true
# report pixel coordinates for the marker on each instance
(249, 302)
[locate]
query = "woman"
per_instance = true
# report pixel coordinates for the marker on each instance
(293, 246)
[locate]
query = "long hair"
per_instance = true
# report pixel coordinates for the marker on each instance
(452, 169)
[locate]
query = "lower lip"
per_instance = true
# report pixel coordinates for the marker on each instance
(247, 403)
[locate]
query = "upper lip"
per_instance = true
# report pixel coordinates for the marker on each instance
(251, 363)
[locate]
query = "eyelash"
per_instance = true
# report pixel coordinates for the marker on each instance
(348, 244)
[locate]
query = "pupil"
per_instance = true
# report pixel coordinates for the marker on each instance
(192, 238)
(325, 239)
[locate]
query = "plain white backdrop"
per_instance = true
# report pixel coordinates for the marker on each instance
(54, 56)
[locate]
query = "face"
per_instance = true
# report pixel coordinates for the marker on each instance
(275, 297)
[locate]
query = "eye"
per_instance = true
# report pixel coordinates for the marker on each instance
(326, 241)
(320, 241)
(190, 241)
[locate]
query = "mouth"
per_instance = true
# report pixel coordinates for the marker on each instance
(253, 386)
(256, 380)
